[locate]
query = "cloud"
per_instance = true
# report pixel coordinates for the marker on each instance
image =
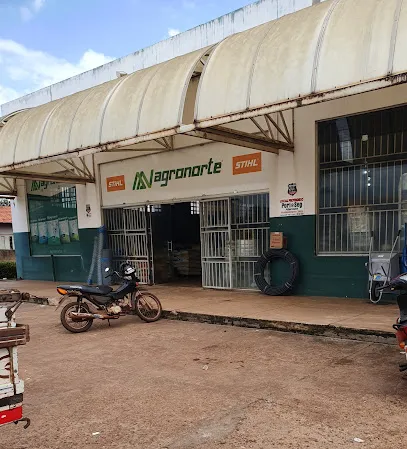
(38, 4)
(7, 94)
(173, 32)
(28, 11)
(34, 69)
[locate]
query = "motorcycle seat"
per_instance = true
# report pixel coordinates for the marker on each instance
(98, 290)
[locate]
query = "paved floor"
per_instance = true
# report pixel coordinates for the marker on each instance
(180, 385)
(344, 312)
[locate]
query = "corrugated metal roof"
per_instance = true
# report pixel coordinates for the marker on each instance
(334, 45)
(144, 103)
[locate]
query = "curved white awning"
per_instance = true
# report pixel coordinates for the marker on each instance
(142, 106)
(331, 50)
(334, 49)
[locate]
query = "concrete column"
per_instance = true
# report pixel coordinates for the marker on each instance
(19, 212)
(19, 209)
(88, 196)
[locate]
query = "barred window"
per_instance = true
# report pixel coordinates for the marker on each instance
(194, 207)
(362, 181)
(154, 208)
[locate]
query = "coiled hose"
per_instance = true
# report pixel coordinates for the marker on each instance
(261, 265)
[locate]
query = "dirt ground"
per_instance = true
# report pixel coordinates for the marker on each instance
(180, 385)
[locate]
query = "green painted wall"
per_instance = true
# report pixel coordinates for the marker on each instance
(58, 268)
(320, 275)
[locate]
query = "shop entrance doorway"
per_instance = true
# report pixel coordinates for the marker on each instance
(176, 243)
(213, 243)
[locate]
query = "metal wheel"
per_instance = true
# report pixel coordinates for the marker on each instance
(375, 295)
(75, 326)
(148, 307)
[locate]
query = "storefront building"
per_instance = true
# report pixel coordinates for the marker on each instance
(289, 126)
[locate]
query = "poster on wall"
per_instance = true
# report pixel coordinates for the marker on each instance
(291, 207)
(53, 218)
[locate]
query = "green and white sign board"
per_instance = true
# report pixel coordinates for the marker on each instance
(53, 218)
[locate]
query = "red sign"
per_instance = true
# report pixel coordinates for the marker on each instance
(115, 183)
(248, 163)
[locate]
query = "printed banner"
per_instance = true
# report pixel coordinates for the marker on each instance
(53, 219)
(292, 207)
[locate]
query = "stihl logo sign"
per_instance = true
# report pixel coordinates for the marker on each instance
(248, 163)
(115, 183)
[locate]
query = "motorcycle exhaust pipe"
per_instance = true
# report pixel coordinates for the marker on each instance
(75, 316)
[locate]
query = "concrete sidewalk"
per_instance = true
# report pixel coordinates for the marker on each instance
(290, 313)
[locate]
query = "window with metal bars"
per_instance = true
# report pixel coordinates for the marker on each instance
(362, 181)
(194, 207)
(154, 208)
(67, 197)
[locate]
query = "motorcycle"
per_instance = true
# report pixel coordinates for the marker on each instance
(103, 303)
(399, 283)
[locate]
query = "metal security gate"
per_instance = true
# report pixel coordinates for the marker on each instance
(250, 223)
(129, 235)
(215, 241)
(235, 232)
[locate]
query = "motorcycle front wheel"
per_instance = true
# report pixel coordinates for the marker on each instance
(148, 307)
(75, 327)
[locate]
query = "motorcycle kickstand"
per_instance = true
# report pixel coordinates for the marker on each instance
(108, 322)
(26, 420)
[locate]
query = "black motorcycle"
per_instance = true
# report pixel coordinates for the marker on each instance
(103, 303)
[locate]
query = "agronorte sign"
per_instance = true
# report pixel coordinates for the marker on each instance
(145, 181)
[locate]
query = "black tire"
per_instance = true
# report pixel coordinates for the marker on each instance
(66, 322)
(375, 295)
(144, 309)
(261, 264)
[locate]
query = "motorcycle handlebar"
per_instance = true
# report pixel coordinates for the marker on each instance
(114, 272)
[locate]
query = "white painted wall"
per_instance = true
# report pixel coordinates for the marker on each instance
(194, 39)
(189, 188)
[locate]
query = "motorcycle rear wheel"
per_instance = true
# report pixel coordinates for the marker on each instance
(148, 307)
(69, 324)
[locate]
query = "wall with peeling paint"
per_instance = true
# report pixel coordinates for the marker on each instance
(194, 39)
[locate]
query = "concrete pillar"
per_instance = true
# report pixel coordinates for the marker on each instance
(19, 212)
(19, 208)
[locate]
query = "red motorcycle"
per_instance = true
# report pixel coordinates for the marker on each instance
(400, 284)
(401, 329)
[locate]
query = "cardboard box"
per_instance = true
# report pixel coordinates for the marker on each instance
(277, 240)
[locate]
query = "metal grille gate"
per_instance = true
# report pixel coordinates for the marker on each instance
(234, 233)
(129, 235)
(215, 241)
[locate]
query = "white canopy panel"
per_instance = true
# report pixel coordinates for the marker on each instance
(133, 108)
(340, 47)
